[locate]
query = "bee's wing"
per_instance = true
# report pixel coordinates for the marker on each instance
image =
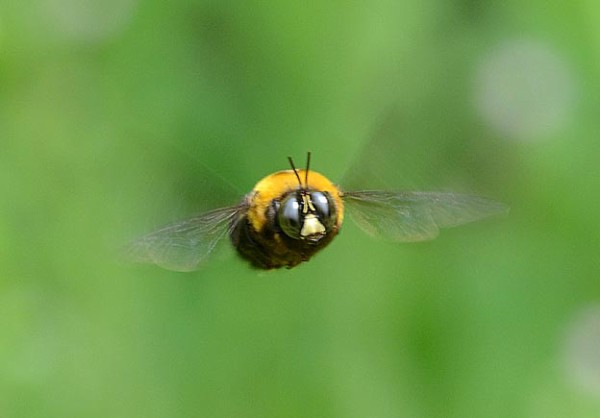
(416, 216)
(184, 245)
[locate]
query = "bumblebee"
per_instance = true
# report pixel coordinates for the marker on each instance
(292, 214)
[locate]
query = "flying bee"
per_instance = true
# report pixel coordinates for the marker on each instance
(292, 214)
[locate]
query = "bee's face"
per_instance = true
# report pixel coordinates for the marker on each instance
(306, 215)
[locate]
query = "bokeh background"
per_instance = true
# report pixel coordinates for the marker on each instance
(118, 116)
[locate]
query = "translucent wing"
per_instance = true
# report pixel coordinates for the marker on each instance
(184, 245)
(416, 216)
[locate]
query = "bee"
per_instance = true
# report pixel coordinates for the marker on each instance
(292, 214)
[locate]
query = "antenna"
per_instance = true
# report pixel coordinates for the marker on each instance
(307, 168)
(295, 171)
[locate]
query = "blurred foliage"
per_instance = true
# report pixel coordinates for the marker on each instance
(118, 116)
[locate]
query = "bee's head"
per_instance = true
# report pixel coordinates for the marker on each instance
(306, 215)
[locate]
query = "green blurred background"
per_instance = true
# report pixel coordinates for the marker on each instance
(118, 116)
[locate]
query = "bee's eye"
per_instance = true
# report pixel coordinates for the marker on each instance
(288, 216)
(325, 207)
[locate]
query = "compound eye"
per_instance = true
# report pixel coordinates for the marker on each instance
(325, 207)
(288, 216)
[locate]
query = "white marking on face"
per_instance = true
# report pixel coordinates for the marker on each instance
(311, 226)
(307, 204)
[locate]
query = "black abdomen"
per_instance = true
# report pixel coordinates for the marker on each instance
(271, 248)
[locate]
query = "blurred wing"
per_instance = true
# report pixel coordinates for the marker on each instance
(416, 216)
(184, 245)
